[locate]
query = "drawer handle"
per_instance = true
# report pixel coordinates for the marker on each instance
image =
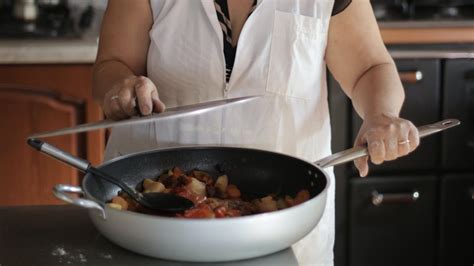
(387, 198)
(411, 77)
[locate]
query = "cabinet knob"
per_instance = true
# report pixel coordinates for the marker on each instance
(411, 77)
(394, 198)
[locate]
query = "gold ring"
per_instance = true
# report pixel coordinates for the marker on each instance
(403, 142)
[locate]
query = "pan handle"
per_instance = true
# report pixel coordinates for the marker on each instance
(361, 151)
(61, 192)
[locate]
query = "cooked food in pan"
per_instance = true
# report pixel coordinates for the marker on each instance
(213, 198)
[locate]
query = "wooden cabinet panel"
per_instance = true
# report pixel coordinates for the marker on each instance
(72, 80)
(27, 175)
(36, 98)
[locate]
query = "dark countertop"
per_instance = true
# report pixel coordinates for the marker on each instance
(64, 235)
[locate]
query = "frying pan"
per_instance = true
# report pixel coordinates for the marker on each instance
(256, 172)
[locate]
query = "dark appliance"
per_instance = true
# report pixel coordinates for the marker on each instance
(40, 19)
(399, 10)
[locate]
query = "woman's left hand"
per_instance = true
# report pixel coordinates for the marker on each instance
(387, 138)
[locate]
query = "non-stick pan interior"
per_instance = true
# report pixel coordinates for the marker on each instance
(256, 173)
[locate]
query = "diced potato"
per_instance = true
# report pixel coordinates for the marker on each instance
(115, 206)
(120, 201)
(221, 183)
(289, 201)
(197, 187)
(281, 204)
(266, 204)
(233, 191)
(147, 182)
(156, 187)
(152, 186)
(301, 196)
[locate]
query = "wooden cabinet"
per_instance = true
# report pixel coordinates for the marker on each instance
(457, 220)
(36, 98)
(393, 221)
(437, 228)
(458, 143)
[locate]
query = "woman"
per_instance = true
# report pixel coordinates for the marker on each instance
(169, 53)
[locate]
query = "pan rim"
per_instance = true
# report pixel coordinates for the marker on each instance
(210, 220)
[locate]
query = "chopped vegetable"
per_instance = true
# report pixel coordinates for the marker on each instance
(219, 199)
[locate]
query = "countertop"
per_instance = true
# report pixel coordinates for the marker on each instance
(84, 50)
(64, 235)
(48, 51)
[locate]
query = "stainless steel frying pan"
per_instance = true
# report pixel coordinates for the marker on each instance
(255, 172)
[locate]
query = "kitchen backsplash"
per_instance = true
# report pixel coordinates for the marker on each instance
(77, 8)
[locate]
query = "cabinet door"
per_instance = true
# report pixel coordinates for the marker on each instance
(421, 80)
(457, 220)
(27, 175)
(458, 143)
(392, 221)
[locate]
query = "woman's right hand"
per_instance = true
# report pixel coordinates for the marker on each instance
(121, 101)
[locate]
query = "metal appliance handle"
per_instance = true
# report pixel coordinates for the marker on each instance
(471, 193)
(61, 192)
(394, 198)
(411, 77)
(361, 151)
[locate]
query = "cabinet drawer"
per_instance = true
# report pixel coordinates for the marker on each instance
(458, 143)
(422, 106)
(392, 228)
(457, 220)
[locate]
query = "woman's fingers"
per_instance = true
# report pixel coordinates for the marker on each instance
(143, 89)
(116, 110)
(404, 141)
(121, 101)
(413, 137)
(126, 99)
(387, 138)
(362, 164)
(111, 105)
(376, 147)
(158, 105)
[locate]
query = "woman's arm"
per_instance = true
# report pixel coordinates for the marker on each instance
(359, 61)
(120, 66)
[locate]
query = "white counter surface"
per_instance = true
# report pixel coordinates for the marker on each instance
(55, 51)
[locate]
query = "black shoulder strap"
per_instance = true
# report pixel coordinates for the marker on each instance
(339, 6)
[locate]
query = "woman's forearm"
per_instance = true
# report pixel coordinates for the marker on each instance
(105, 75)
(378, 91)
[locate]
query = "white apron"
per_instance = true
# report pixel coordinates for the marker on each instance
(280, 55)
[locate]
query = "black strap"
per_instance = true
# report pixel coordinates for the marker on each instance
(222, 11)
(339, 6)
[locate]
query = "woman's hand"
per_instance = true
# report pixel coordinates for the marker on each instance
(387, 138)
(121, 100)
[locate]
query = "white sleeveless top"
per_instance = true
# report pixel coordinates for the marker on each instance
(280, 55)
